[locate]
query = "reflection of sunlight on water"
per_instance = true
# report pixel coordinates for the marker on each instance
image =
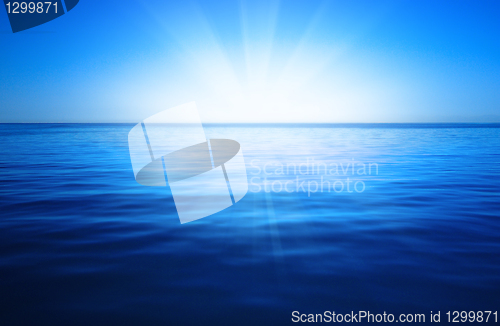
(274, 230)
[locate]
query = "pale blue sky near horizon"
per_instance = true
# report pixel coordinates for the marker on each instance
(257, 62)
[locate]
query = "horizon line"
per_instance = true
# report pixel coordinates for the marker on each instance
(276, 123)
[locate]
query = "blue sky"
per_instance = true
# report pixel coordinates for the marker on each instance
(257, 61)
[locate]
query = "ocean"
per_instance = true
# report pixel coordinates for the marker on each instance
(395, 218)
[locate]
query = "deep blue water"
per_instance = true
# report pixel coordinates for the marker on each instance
(81, 243)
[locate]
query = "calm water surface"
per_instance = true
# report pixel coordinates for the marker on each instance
(82, 243)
